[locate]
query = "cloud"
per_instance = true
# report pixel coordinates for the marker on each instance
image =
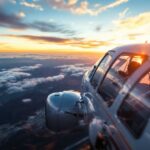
(133, 36)
(26, 68)
(9, 76)
(83, 7)
(32, 5)
(134, 22)
(111, 5)
(15, 22)
(16, 79)
(135, 28)
(26, 84)
(21, 14)
(13, 74)
(123, 13)
(78, 74)
(51, 27)
(88, 43)
(75, 70)
(40, 38)
(127, 30)
(26, 100)
(76, 42)
(11, 21)
(72, 2)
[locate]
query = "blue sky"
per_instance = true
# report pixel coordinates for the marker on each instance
(92, 25)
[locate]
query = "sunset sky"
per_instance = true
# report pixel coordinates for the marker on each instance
(72, 25)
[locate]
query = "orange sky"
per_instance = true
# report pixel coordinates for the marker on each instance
(74, 26)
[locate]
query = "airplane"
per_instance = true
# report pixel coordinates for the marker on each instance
(114, 101)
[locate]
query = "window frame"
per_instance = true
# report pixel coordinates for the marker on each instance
(145, 57)
(110, 53)
(125, 98)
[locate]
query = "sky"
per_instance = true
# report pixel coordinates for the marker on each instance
(72, 25)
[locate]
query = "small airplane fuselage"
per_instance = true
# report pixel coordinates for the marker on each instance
(114, 101)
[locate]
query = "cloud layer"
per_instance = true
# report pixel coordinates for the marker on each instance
(16, 79)
(26, 84)
(83, 7)
(75, 70)
(14, 74)
(15, 22)
(31, 5)
(77, 42)
(133, 27)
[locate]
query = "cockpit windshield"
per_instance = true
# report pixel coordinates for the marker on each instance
(118, 74)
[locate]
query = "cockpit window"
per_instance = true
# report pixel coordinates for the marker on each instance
(104, 64)
(117, 75)
(135, 110)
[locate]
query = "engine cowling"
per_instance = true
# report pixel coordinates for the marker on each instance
(67, 110)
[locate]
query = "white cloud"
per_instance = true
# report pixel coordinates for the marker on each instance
(134, 22)
(123, 13)
(27, 68)
(78, 74)
(26, 84)
(12, 79)
(26, 100)
(14, 88)
(21, 14)
(9, 76)
(127, 30)
(74, 70)
(111, 5)
(13, 74)
(72, 2)
(32, 5)
(133, 29)
(84, 7)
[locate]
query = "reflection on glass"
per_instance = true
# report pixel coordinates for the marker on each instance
(100, 70)
(121, 70)
(135, 110)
